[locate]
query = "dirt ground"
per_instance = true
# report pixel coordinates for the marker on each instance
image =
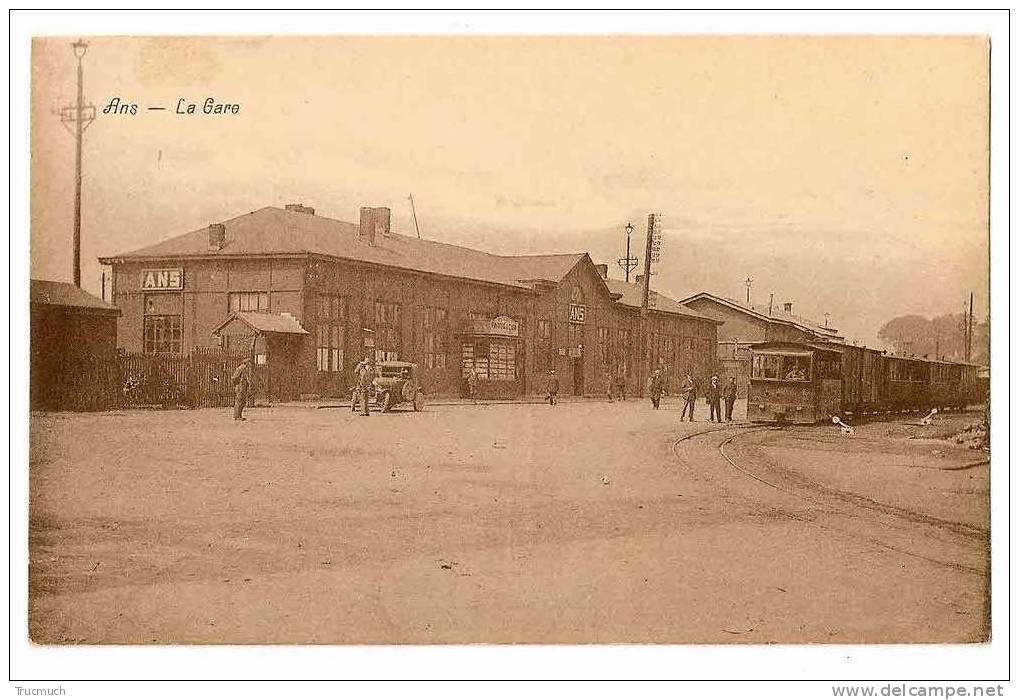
(580, 523)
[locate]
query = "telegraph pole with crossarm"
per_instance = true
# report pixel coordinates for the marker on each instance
(81, 115)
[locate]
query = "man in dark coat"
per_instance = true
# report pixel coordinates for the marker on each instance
(241, 379)
(729, 395)
(689, 392)
(621, 383)
(552, 388)
(714, 398)
(364, 375)
(656, 385)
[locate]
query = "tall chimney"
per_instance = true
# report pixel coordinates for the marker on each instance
(366, 232)
(381, 215)
(217, 236)
(788, 306)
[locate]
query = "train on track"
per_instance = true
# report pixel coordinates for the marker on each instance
(811, 382)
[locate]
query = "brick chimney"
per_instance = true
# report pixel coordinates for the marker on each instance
(603, 271)
(788, 306)
(217, 236)
(382, 216)
(366, 231)
(300, 208)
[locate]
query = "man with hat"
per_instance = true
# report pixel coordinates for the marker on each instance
(729, 394)
(714, 397)
(689, 391)
(655, 388)
(241, 379)
(364, 375)
(552, 388)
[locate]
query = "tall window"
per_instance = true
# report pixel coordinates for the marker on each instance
(249, 301)
(387, 331)
(433, 333)
(330, 325)
(162, 334)
(604, 349)
(542, 357)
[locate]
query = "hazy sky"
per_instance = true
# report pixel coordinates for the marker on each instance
(847, 175)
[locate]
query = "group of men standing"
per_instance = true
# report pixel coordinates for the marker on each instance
(714, 394)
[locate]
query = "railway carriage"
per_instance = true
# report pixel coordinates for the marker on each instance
(908, 383)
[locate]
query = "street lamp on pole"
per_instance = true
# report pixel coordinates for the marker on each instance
(81, 115)
(628, 264)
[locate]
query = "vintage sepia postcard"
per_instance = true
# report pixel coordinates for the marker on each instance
(456, 339)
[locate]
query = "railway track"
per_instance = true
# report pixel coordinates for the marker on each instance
(901, 530)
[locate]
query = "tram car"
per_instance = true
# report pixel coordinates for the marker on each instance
(811, 382)
(794, 382)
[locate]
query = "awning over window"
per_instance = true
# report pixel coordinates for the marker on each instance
(260, 323)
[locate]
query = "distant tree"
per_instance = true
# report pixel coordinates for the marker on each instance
(942, 336)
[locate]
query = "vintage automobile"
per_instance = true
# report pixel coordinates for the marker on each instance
(397, 383)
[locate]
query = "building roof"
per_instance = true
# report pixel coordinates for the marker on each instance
(49, 293)
(275, 231)
(633, 295)
(775, 315)
(264, 322)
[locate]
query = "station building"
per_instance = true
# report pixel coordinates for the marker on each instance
(742, 324)
(309, 295)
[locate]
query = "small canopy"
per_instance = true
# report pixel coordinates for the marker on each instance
(262, 323)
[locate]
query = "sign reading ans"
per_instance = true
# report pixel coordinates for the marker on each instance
(500, 325)
(577, 313)
(163, 280)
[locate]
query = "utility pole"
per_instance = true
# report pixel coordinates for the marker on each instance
(749, 282)
(81, 115)
(969, 330)
(414, 212)
(628, 264)
(647, 264)
(653, 234)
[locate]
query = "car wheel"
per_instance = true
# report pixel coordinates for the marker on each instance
(387, 402)
(419, 401)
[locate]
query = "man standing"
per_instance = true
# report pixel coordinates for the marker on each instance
(241, 379)
(365, 377)
(621, 383)
(689, 391)
(552, 388)
(655, 388)
(362, 372)
(472, 384)
(729, 394)
(356, 391)
(714, 397)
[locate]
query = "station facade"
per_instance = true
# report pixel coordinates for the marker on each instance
(310, 295)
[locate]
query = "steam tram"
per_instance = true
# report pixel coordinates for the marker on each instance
(811, 382)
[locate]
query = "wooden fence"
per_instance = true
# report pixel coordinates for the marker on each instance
(135, 380)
